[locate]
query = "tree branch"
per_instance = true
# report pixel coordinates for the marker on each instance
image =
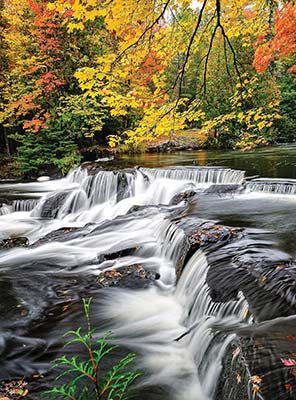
(143, 34)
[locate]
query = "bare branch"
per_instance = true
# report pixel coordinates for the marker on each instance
(190, 44)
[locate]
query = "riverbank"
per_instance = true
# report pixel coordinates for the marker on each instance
(268, 161)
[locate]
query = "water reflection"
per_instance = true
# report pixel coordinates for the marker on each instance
(273, 162)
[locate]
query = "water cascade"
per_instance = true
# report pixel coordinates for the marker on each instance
(89, 223)
(277, 186)
(198, 174)
(24, 205)
(5, 209)
(174, 331)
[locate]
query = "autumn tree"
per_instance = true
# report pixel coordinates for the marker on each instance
(138, 70)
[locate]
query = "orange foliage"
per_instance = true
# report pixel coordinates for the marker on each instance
(283, 43)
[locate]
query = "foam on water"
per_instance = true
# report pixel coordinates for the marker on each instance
(173, 331)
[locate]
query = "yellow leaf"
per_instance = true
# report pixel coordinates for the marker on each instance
(256, 379)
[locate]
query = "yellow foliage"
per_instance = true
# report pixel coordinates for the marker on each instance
(129, 74)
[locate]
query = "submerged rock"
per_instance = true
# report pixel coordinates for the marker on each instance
(61, 235)
(224, 189)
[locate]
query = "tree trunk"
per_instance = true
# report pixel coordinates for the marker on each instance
(6, 140)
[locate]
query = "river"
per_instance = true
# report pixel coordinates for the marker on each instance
(236, 293)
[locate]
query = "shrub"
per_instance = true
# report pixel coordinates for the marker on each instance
(113, 385)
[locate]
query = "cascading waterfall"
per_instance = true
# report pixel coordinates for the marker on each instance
(24, 205)
(125, 219)
(5, 209)
(276, 186)
(174, 331)
(123, 189)
(198, 174)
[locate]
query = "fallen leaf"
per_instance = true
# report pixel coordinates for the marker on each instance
(288, 362)
(255, 389)
(238, 378)
(255, 379)
(290, 336)
(288, 386)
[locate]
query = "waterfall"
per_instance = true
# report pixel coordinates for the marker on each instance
(197, 174)
(123, 189)
(5, 209)
(174, 332)
(24, 205)
(124, 221)
(276, 186)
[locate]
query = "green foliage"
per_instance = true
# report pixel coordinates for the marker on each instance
(286, 126)
(113, 385)
(80, 115)
(44, 151)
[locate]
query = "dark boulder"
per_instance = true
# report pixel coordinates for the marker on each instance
(62, 234)
(14, 242)
(223, 189)
(182, 196)
(50, 206)
(134, 276)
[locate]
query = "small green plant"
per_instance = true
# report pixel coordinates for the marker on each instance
(113, 385)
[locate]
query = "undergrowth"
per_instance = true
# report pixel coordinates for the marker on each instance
(113, 385)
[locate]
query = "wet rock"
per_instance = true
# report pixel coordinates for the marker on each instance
(5, 202)
(182, 196)
(205, 233)
(209, 234)
(51, 206)
(134, 276)
(14, 242)
(235, 376)
(268, 286)
(122, 186)
(13, 389)
(62, 235)
(264, 283)
(269, 350)
(223, 189)
(120, 253)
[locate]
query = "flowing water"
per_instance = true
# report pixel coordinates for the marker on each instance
(184, 330)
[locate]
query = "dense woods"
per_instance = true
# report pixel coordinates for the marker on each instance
(76, 74)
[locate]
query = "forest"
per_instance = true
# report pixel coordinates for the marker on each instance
(147, 200)
(78, 75)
